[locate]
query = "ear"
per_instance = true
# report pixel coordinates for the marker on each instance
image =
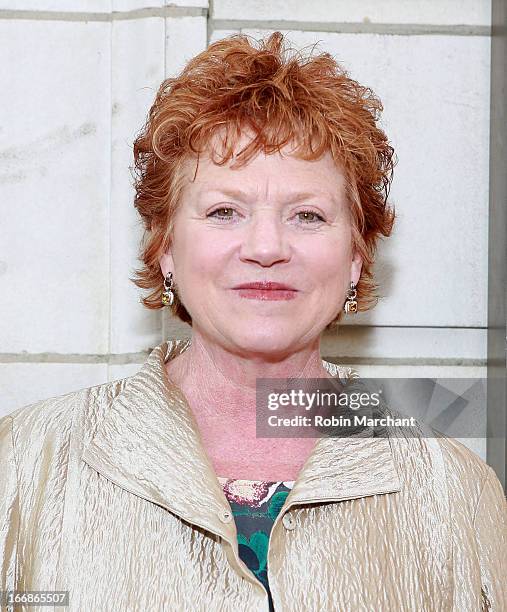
(356, 266)
(166, 262)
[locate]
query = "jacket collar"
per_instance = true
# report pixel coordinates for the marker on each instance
(149, 444)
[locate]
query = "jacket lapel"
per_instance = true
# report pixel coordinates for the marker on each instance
(346, 468)
(149, 444)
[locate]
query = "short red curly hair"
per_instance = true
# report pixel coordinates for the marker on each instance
(282, 97)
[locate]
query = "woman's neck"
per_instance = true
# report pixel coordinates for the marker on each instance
(220, 387)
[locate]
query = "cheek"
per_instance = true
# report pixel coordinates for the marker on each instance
(330, 259)
(203, 255)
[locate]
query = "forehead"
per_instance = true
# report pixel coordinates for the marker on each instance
(280, 171)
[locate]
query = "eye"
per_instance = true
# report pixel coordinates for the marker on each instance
(310, 216)
(226, 213)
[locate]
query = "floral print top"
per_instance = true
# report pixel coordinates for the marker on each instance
(255, 504)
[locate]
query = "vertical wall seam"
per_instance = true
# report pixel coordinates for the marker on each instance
(209, 22)
(496, 414)
(110, 271)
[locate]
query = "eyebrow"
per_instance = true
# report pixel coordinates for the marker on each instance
(292, 198)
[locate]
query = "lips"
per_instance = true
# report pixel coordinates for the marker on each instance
(266, 286)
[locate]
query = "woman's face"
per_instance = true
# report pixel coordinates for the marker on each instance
(278, 219)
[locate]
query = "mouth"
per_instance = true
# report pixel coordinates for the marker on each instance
(267, 291)
(266, 286)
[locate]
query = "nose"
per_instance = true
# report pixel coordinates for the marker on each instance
(265, 240)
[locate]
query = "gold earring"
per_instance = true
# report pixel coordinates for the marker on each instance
(351, 303)
(168, 295)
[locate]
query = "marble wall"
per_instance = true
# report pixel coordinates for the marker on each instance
(77, 79)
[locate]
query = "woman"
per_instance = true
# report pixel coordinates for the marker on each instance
(262, 182)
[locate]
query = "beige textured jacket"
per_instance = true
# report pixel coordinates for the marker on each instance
(107, 492)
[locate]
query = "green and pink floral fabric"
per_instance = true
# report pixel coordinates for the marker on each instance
(255, 505)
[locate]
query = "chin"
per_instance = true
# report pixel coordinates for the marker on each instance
(264, 338)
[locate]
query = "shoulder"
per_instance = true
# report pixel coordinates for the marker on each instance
(429, 460)
(461, 462)
(440, 460)
(50, 421)
(466, 472)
